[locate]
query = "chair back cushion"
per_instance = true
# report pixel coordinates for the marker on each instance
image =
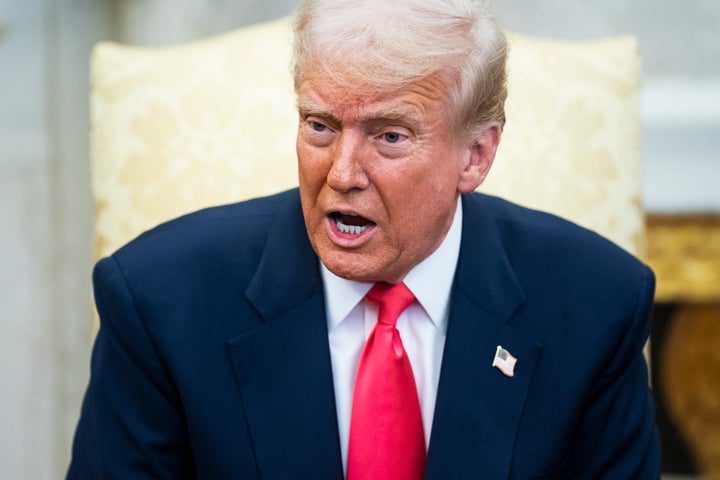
(174, 129)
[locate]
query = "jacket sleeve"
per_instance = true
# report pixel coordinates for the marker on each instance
(617, 437)
(131, 425)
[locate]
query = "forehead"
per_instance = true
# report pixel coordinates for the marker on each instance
(414, 102)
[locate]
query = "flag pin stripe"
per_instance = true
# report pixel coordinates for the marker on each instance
(504, 361)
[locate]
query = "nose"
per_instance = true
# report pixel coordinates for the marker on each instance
(347, 171)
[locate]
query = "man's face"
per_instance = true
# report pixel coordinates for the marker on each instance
(380, 175)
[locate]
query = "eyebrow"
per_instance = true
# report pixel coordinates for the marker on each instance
(307, 107)
(405, 112)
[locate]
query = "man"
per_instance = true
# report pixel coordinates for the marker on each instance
(243, 341)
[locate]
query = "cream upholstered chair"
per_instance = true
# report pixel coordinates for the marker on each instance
(178, 128)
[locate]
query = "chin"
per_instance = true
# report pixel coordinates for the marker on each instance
(349, 272)
(357, 272)
(348, 266)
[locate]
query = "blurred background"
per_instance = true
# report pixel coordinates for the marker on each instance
(46, 204)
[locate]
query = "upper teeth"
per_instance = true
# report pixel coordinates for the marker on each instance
(351, 229)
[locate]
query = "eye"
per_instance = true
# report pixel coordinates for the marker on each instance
(316, 132)
(318, 127)
(392, 137)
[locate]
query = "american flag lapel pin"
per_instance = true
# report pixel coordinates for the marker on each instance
(504, 361)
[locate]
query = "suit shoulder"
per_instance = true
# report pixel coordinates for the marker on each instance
(541, 239)
(241, 220)
(211, 234)
(573, 279)
(526, 225)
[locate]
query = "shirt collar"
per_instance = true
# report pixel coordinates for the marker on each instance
(430, 281)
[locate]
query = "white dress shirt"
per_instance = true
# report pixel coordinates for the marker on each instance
(422, 328)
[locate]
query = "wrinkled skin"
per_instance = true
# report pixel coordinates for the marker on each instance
(380, 176)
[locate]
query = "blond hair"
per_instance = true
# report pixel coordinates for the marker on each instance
(387, 45)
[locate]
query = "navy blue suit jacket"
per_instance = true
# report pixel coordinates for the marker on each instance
(212, 359)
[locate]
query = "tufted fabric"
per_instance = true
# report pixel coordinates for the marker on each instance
(178, 128)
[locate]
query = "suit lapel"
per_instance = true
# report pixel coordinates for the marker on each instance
(283, 368)
(478, 408)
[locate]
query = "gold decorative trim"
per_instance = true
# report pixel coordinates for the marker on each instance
(688, 364)
(684, 252)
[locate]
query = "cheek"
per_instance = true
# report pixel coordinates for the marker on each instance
(310, 167)
(432, 187)
(426, 204)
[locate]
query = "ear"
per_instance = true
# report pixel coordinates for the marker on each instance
(481, 153)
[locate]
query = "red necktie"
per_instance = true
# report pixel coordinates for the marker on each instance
(386, 431)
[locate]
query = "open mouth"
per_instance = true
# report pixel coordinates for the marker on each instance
(350, 224)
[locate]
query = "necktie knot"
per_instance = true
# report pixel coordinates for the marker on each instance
(391, 300)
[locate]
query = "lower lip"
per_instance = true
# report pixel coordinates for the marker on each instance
(347, 240)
